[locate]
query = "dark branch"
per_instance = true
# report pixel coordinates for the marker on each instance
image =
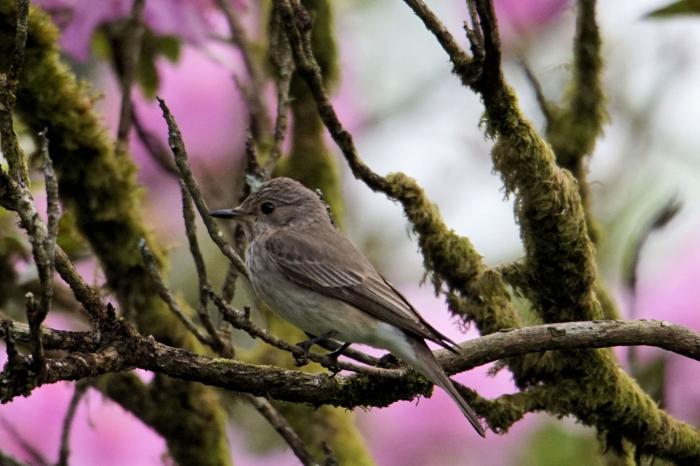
(178, 148)
(64, 452)
(131, 36)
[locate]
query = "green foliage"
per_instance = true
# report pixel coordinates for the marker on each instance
(679, 8)
(153, 48)
(553, 445)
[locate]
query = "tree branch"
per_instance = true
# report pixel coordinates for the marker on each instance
(124, 352)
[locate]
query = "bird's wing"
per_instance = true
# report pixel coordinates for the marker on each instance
(338, 270)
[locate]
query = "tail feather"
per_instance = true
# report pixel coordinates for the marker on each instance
(426, 363)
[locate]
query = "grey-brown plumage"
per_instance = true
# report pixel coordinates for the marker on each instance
(314, 277)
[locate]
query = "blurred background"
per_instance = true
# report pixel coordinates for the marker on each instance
(408, 113)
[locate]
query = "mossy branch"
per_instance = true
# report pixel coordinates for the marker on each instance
(99, 187)
(574, 125)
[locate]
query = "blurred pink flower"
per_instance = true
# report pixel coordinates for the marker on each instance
(188, 19)
(672, 295)
(103, 433)
(432, 431)
(518, 19)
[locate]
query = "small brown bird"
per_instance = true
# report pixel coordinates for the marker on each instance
(304, 269)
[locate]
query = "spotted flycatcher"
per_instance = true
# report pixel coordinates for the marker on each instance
(304, 269)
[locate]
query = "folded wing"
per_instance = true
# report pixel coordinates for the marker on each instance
(340, 271)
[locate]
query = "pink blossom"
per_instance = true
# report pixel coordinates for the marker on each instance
(672, 295)
(188, 19)
(432, 431)
(518, 19)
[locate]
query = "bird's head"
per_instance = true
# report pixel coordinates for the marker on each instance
(280, 202)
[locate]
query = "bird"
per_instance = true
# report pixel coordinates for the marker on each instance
(304, 269)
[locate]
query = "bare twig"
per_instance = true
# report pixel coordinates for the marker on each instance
(228, 288)
(295, 22)
(178, 148)
(64, 452)
(15, 195)
(280, 424)
(215, 340)
(155, 148)
(37, 458)
(252, 160)
(8, 85)
(254, 96)
(544, 104)
(9, 461)
(241, 321)
(283, 63)
(82, 342)
(167, 296)
(131, 36)
(20, 42)
(463, 65)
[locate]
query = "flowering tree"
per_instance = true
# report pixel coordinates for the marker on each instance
(134, 320)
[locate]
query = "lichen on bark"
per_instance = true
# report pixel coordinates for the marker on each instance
(99, 187)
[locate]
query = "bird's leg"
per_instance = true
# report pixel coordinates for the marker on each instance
(388, 361)
(336, 353)
(307, 344)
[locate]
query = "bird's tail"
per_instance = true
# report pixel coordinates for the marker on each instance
(425, 362)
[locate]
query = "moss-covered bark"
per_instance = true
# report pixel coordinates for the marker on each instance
(575, 125)
(99, 187)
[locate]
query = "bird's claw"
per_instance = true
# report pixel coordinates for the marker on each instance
(388, 361)
(303, 359)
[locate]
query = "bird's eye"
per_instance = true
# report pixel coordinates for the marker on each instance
(267, 208)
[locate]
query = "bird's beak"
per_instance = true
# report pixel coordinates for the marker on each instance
(228, 213)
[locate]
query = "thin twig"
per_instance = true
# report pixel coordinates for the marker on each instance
(131, 36)
(53, 211)
(178, 148)
(283, 63)
(6, 460)
(16, 197)
(661, 218)
(215, 339)
(153, 145)
(252, 160)
(8, 85)
(17, 60)
(241, 321)
(545, 105)
(228, 288)
(64, 452)
(280, 424)
(167, 296)
(295, 22)
(463, 65)
(37, 458)
(254, 97)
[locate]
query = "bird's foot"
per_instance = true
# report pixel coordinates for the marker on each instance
(388, 361)
(333, 367)
(303, 359)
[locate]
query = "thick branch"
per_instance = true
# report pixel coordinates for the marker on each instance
(351, 390)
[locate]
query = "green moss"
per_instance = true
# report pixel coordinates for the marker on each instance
(99, 187)
(559, 254)
(475, 293)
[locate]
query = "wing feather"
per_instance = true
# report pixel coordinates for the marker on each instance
(338, 270)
